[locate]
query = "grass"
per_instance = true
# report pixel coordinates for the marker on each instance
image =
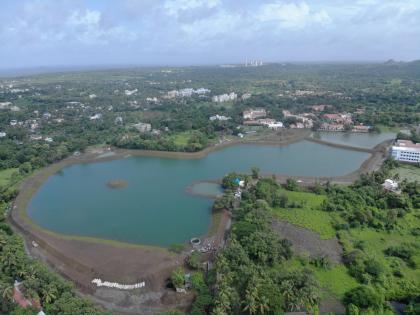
(5, 175)
(409, 172)
(376, 242)
(336, 280)
(181, 139)
(308, 216)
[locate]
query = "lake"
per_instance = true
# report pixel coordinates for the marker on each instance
(363, 140)
(154, 208)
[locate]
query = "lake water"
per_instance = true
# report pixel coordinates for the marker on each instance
(363, 140)
(155, 208)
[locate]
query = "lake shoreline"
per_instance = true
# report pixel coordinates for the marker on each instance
(79, 258)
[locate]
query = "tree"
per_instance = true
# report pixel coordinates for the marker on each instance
(291, 184)
(255, 172)
(364, 297)
(177, 277)
(194, 260)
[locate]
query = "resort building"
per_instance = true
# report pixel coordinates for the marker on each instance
(406, 151)
(254, 113)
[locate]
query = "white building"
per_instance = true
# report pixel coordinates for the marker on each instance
(406, 151)
(95, 117)
(3, 134)
(390, 184)
(224, 97)
(219, 117)
(130, 92)
(254, 113)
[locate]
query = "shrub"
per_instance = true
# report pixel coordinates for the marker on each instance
(363, 297)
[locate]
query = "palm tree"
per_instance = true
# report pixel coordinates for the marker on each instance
(7, 292)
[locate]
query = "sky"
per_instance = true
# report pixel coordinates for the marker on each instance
(37, 33)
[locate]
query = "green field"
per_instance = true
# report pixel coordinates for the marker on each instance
(309, 215)
(376, 242)
(5, 175)
(181, 139)
(409, 172)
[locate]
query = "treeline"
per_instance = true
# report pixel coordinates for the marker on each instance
(56, 295)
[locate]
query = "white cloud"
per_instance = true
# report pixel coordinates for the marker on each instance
(88, 18)
(291, 15)
(175, 7)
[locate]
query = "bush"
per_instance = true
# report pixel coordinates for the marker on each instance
(363, 297)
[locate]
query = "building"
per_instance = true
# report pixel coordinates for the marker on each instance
(130, 92)
(19, 298)
(224, 97)
(339, 118)
(406, 151)
(95, 117)
(362, 128)
(3, 134)
(331, 127)
(390, 184)
(254, 113)
(143, 127)
(219, 117)
(276, 125)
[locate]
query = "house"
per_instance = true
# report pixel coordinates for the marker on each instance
(362, 128)
(344, 118)
(143, 127)
(48, 139)
(219, 117)
(406, 151)
(331, 127)
(390, 184)
(202, 91)
(92, 96)
(3, 134)
(276, 125)
(95, 117)
(252, 114)
(19, 298)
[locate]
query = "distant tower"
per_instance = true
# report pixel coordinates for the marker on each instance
(246, 62)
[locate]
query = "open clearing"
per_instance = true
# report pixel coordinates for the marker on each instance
(308, 214)
(409, 172)
(5, 175)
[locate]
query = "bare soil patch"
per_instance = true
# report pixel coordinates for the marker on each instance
(305, 241)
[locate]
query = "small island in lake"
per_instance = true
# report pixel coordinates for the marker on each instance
(117, 183)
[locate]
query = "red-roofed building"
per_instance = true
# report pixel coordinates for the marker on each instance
(19, 298)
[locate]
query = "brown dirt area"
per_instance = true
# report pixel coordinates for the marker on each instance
(305, 241)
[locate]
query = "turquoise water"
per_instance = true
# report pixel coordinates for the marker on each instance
(155, 208)
(363, 140)
(211, 190)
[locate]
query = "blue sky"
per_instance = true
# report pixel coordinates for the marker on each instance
(177, 32)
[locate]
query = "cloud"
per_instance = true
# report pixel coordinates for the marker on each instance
(46, 31)
(176, 7)
(292, 15)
